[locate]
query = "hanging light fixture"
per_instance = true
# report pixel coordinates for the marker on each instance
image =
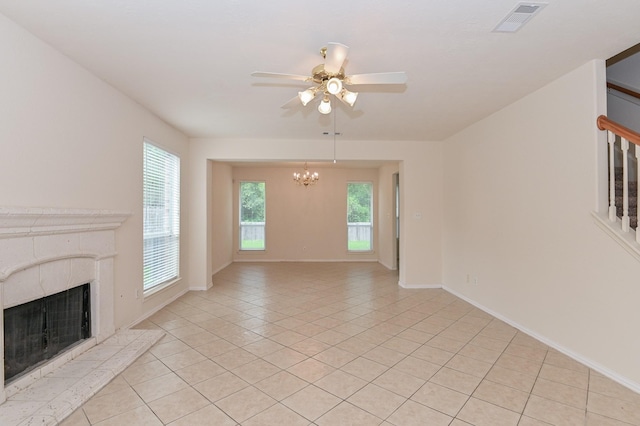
(308, 95)
(348, 97)
(334, 85)
(306, 178)
(325, 105)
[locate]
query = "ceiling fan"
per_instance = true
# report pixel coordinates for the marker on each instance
(330, 79)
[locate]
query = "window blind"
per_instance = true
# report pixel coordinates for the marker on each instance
(161, 222)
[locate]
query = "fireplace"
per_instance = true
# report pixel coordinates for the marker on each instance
(44, 252)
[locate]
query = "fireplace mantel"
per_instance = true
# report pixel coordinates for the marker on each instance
(31, 221)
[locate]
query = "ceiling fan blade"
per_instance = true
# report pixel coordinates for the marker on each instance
(291, 103)
(399, 77)
(280, 75)
(336, 55)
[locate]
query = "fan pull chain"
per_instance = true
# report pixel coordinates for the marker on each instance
(334, 136)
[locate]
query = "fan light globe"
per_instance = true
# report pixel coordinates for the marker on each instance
(349, 97)
(306, 96)
(325, 106)
(334, 86)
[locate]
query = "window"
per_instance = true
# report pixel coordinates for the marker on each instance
(360, 216)
(252, 215)
(161, 221)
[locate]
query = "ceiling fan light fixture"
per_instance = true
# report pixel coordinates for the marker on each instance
(307, 96)
(334, 85)
(325, 106)
(348, 97)
(330, 79)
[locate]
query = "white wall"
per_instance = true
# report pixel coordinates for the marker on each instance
(519, 189)
(305, 223)
(421, 174)
(387, 214)
(221, 213)
(69, 140)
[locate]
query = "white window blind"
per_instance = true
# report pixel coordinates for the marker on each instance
(161, 205)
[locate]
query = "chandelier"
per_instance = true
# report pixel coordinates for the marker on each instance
(306, 178)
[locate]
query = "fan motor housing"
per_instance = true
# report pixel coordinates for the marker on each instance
(320, 75)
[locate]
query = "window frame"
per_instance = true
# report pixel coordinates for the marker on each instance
(240, 223)
(371, 217)
(169, 255)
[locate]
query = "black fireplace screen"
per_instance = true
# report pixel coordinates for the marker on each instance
(39, 330)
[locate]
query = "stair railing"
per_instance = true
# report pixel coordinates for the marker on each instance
(626, 136)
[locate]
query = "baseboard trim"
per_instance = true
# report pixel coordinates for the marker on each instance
(157, 308)
(391, 268)
(418, 286)
(585, 361)
(625, 239)
(222, 267)
(202, 288)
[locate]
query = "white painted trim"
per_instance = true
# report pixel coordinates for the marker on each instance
(418, 286)
(31, 221)
(577, 357)
(156, 309)
(625, 239)
(161, 288)
(201, 288)
(222, 267)
(391, 268)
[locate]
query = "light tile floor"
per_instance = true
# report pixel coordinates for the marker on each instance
(52, 392)
(341, 344)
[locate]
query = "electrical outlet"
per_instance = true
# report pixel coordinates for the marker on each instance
(475, 280)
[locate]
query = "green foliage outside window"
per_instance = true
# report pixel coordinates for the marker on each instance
(252, 216)
(359, 202)
(359, 216)
(252, 202)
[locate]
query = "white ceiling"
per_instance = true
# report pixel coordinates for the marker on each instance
(190, 61)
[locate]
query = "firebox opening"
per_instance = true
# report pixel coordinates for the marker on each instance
(37, 331)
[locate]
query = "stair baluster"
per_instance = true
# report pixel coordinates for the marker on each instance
(625, 185)
(611, 139)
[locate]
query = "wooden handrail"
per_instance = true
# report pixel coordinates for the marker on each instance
(605, 124)
(624, 90)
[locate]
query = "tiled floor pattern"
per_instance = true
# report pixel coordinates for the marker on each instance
(341, 344)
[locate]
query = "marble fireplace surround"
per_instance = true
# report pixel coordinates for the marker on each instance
(45, 251)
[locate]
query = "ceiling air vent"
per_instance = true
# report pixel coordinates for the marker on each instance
(519, 16)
